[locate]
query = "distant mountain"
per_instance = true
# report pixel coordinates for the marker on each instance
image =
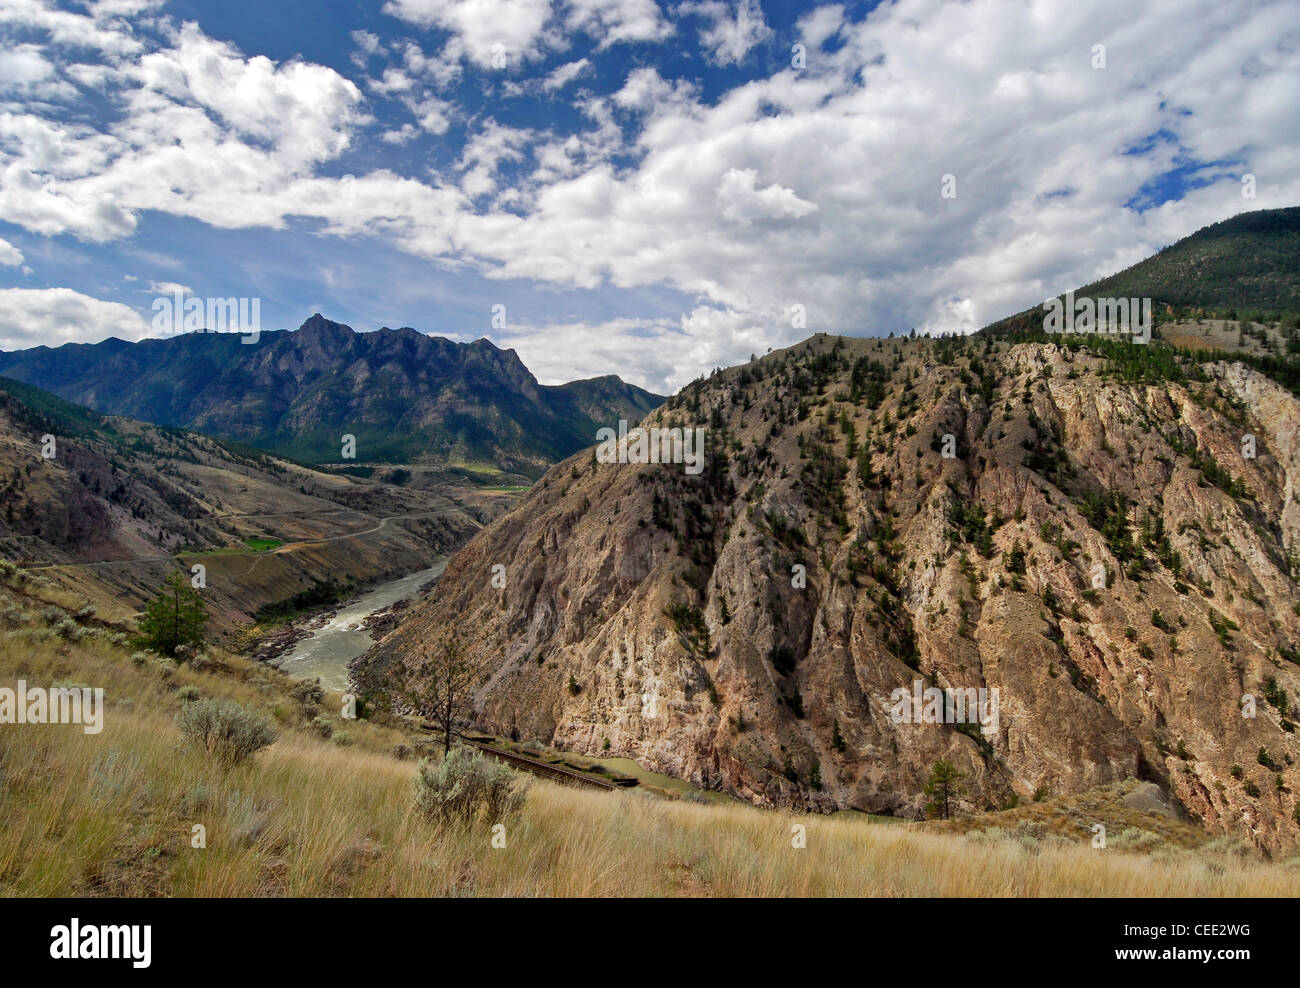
(1245, 267)
(405, 396)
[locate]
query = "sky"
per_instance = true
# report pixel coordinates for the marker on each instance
(621, 186)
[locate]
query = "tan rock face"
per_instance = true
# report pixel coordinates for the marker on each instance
(1098, 551)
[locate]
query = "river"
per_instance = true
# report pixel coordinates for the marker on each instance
(327, 650)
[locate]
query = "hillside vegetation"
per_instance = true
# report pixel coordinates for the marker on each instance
(1249, 263)
(1246, 267)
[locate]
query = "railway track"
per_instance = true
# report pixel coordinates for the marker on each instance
(544, 769)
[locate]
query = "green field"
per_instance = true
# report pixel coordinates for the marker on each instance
(262, 544)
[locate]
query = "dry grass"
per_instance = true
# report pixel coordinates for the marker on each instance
(112, 814)
(1072, 818)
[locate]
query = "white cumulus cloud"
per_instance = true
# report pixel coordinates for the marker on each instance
(735, 27)
(10, 256)
(53, 316)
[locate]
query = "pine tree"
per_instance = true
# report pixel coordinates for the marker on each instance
(176, 617)
(943, 789)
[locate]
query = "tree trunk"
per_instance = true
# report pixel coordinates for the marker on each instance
(446, 744)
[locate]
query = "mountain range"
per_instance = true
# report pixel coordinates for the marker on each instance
(405, 397)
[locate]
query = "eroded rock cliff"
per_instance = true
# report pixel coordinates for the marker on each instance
(1097, 549)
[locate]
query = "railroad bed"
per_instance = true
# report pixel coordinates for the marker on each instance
(558, 773)
(544, 769)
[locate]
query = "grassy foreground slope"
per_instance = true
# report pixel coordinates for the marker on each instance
(113, 813)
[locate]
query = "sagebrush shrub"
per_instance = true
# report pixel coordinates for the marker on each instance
(1136, 839)
(308, 692)
(322, 726)
(165, 667)
(197, 798)
(225, 731)
(69, 630)
(465, 783)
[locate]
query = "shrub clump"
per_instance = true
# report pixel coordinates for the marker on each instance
(69, 630)
(1136, 839)
(227, 732)
(465, 783)
(165, 667)
(308, 693)
(322, 726)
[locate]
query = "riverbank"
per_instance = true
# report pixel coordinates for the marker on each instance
(321, 645)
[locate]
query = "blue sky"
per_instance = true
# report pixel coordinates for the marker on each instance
(649, 189)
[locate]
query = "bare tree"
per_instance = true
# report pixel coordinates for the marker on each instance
(450, 676)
